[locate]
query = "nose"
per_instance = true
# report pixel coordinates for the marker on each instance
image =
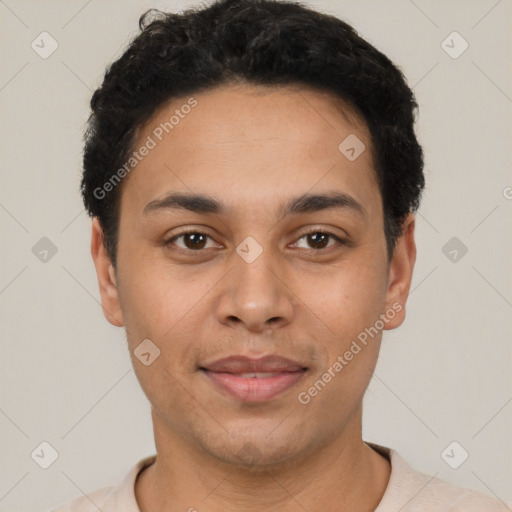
(255, 295)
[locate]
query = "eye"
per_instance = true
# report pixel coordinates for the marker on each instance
(319, 239)
(192, 240)
(195, 241)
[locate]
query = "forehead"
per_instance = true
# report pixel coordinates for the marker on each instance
(249, 144)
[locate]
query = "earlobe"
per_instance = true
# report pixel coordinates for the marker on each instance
(106, 276)
(400, 272)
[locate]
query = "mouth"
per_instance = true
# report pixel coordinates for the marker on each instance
(254, 380)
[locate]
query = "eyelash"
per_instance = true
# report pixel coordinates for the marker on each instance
(170, 241)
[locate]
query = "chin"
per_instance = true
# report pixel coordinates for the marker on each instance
(253, 450)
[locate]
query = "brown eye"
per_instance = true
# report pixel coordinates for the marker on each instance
(192, 240)
(319, 240)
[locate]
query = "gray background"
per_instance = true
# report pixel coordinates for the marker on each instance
(66, 376)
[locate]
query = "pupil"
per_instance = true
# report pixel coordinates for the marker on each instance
(194, 237)
(316, 243)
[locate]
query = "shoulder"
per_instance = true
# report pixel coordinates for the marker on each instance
(90, 503)
(409, 490)
(112, 498)
(443, 496)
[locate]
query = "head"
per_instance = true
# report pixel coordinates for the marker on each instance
(283, 143)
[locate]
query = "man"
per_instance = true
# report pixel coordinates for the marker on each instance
(252, 172)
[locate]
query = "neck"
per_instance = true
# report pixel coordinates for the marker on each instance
(346, 472)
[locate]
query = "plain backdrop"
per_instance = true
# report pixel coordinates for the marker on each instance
(66, 376)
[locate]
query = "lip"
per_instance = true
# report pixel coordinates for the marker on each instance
(232, 375)
(244, 364)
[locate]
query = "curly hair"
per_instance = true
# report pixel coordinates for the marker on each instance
(260, 42)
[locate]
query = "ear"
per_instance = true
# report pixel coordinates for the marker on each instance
(400, 273)
(106, 276)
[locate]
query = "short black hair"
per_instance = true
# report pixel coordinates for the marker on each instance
(258, 42)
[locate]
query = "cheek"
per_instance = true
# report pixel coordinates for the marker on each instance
(168, 306)
(152, 295)
(157, 306)
(346, 305)
(347, 299)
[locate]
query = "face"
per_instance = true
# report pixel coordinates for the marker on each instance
(254, 269)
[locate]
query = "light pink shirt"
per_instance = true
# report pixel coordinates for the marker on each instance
(408, 490)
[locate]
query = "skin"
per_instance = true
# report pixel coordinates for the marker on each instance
(254, 148)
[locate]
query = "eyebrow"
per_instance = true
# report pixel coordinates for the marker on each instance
(306, 203)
